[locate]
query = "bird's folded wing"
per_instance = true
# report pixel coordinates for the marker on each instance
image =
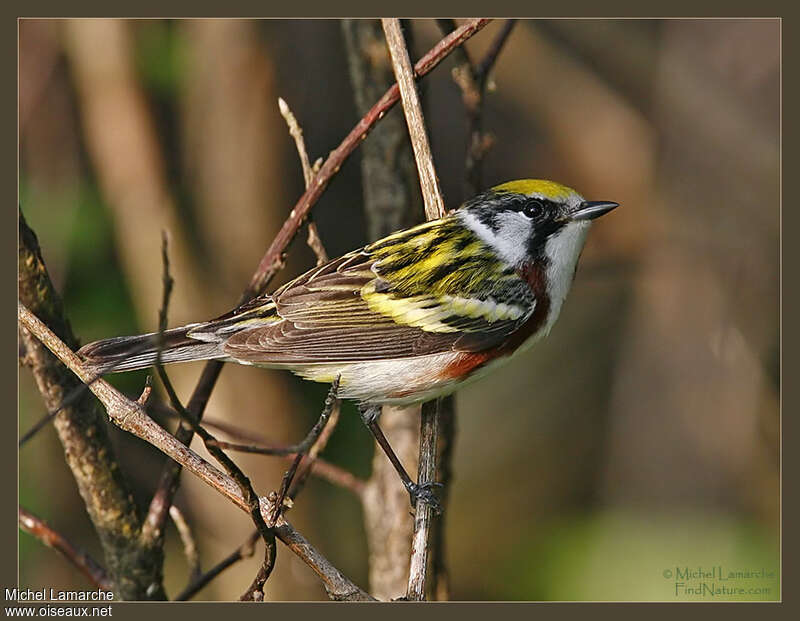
(378, 304)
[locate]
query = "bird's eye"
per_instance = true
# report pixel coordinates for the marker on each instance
(533, 208)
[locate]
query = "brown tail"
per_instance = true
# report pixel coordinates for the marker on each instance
(127, 353)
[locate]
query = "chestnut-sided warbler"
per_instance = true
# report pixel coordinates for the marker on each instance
(410, 317)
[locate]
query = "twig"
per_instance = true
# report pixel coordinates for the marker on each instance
(431, 193)
(86, 564)
(434, 208)
(307, 443)
(267, 533)
(314, 241)
(424, 515)
(273, 261)
(309, 461)
(73, 397)
(473, 79)
(242, 552)
(131, 417)
(325, 470)
(255, 592)
(189, 544)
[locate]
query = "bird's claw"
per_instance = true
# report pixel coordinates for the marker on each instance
(425, 493)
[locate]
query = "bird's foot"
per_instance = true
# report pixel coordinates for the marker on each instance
(424, 493)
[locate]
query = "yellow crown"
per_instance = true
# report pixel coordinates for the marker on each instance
(541, 187)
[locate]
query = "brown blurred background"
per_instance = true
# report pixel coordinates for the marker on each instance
(641, 436)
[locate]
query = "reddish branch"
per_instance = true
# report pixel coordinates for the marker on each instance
(274, 258)
(86, 564)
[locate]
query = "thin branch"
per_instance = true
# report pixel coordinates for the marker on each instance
(244, 551)
(431, 193)
(333, 474)
(323, 469)
(267, 533)
(307, 443)
(90, 568)
(434, 208)
(309, 461)
(473, 79)
(424, 514)
(314, 241)
(485, 66)
(189, 544)
(273, 261)
(131, 417)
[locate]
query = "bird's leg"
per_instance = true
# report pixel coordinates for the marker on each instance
(423, 493)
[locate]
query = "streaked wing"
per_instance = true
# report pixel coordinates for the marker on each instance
(400, 297)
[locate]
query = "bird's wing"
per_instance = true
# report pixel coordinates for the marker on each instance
(403, 296)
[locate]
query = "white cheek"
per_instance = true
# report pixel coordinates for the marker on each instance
(563, 250)
(511, 239)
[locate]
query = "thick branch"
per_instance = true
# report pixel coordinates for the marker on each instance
(135, 569)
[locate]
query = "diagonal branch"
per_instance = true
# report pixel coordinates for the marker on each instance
(245, 486)
(198, 582)
(86, 564)
(131, 417)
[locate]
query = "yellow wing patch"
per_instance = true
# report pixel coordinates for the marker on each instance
(427, 312)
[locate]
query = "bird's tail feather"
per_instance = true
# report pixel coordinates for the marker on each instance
(127, 353)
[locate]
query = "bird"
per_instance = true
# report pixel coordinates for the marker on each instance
(408, 318)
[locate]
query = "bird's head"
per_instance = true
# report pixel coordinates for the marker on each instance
(533, 219)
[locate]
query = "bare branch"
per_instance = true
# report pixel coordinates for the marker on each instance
(473, 80)
(321, 468)
(242, 552)
(306, 444)
(434, 208)
(310, 460)
(86, 564)
(189, 544)
(424, 515)
(431, 193)
(314, 241)
(245, 486)
(131, 417)
(135, 569)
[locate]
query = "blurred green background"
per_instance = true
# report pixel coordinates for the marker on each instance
(639, 442)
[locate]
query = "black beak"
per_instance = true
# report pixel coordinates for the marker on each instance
(589, 210)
